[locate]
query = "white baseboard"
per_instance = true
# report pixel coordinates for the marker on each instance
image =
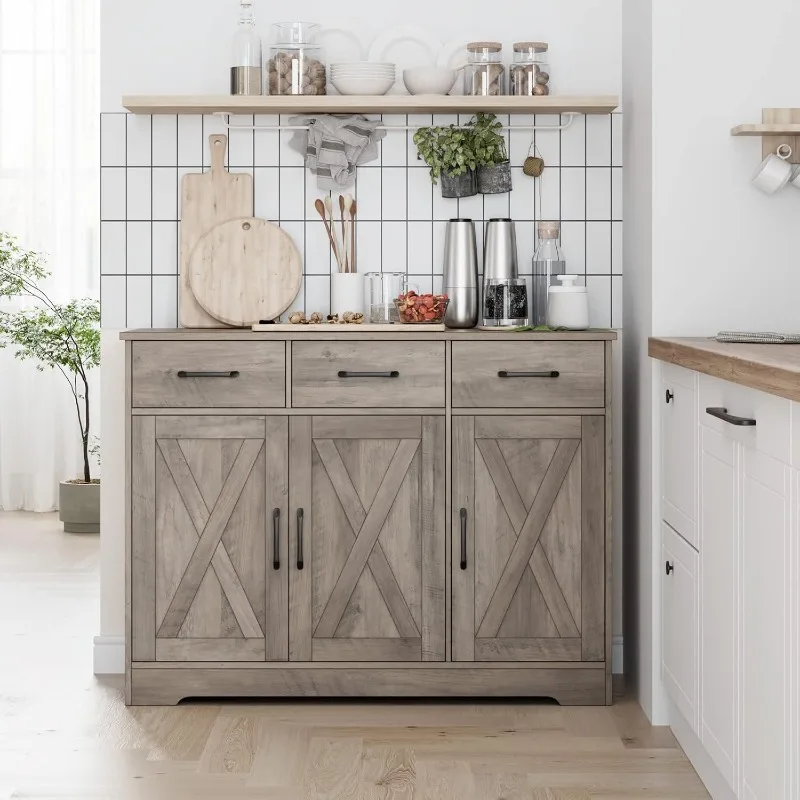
(712, 778)
(109, 655)
(617, 658)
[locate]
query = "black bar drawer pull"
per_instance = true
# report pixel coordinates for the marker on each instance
(548, 374)
(669, 568)
(276, 538)
(739, 422)
(230, 374)
(346, 374)
(463, 538)
(300, 563)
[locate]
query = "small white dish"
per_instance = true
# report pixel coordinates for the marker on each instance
(429, 80)
(365, 86)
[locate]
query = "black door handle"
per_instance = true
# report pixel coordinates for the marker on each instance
(230, 374)
(300, 563)
(670, 396)
(739, 422)
(346, 374)
(547, 374)
(463, 538)
(276, 538)
(669, 568)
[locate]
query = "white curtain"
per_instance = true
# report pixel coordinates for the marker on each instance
(49, 145)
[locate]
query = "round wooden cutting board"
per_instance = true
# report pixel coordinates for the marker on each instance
(244, 271)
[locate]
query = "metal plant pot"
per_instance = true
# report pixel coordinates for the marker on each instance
(79, 507)
(464, 185)
(495, 180)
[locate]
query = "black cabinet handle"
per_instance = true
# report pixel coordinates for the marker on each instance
(739, 422)
(547, 374)
(669, 396)
(230, 374)
(669, 568)
(392, 374)
(300, 563)
(276, 538)
(463, 538)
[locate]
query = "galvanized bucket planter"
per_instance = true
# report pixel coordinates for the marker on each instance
(464, 185)
(496, 179)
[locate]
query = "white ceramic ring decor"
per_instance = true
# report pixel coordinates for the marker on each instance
(347, 292)
(775, 171)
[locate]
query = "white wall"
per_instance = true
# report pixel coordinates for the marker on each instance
(704, 250)
(182, 46)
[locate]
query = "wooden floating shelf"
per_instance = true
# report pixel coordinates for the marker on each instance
(355, 104)
(766, 130)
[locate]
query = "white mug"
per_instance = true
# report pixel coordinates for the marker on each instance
(775, 171)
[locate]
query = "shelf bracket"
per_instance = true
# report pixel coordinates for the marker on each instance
(226, 121)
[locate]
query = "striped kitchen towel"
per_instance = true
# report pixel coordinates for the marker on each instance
(334, 145)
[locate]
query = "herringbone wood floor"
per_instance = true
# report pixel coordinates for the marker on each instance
(64, 734)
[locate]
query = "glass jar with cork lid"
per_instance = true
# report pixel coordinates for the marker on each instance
(296, 64)
(484, 73)
(530, 72)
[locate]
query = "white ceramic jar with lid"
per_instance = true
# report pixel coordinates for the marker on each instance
(568, 305)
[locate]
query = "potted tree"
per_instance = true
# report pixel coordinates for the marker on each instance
(491, 155)
(450, 154)
(63, 337)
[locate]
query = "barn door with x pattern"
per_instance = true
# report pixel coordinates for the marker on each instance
(528, 538)
(368, 547)
(210, 502)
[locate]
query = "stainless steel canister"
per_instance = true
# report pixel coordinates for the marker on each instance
(461, 274)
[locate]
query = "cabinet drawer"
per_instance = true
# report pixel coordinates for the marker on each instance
(528, 374)
(368, 374)
(209, 374)
(772, 433)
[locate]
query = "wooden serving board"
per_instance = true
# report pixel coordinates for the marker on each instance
(325, 327)
(245, 270)
(207, 200)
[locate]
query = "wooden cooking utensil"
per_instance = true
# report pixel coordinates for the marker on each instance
(320, 206)
(245, 270)
(353, 212)
(207, 200)
(344, 233)
(337, 249)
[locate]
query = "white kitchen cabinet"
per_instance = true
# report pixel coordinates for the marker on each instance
(679, 623)
(766, 639)
(719, 600)
(679, 451)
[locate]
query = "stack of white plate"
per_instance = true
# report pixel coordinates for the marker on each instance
(362, 77)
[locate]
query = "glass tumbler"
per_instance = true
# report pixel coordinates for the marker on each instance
(382, 289)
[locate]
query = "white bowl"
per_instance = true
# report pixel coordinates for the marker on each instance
(365, 65)
(366, 86)
(429, 80)
(358, 73)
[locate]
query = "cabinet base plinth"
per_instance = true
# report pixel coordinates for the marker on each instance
(578, 685)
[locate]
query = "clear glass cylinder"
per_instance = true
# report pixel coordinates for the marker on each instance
(246, 54)
(529, 75)
(382, 289)
(505, 302)
(548, 264)
(296, 64)
(484, 74)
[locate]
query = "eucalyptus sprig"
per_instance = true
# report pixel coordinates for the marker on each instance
(62, 336)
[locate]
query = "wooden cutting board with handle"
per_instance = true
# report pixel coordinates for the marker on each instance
(244, 271)
(207, 200)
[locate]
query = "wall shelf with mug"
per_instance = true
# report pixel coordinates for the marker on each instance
(779, 131)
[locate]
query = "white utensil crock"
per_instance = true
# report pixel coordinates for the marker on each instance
(347, 292)
(775, 171)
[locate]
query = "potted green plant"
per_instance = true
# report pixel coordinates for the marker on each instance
(450, 154)
(63, 337)
(491, 154)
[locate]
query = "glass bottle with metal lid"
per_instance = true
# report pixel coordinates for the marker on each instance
(246, 53)
(484, 73)
(530, 72)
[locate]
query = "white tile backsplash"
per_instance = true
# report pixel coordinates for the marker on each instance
(402, 217)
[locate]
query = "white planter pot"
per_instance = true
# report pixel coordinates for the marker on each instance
(79, 507)
(347, 293)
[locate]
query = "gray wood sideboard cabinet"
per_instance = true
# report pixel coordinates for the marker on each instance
(329, 514)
